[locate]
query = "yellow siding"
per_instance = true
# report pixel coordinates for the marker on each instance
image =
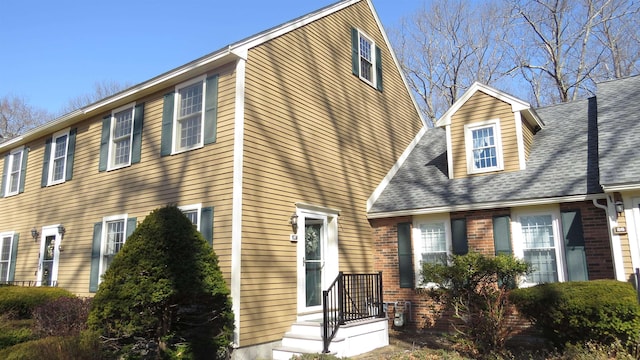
(482, 107)
(527, 137)
(316, 134)
(198, 176)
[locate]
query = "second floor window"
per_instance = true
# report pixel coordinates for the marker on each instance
(483, 146)
(14, 171)
(58, 158)
(366, 59)
(121, 136)
(189, 116)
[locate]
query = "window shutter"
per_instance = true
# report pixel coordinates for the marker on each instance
(167, 125)
(136, 148)
(14, 255)
(211, 110)
(71, 149)
(378, 69)
(4, 175)
(355, 52)
(104, 143)
(405, 258)
(95, 257)
(459, 244)
(23, 169)
(131, 226)
(45, 163)
(502, 235)
(574, 245)
(206, 224)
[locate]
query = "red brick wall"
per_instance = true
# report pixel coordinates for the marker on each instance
(426, 313)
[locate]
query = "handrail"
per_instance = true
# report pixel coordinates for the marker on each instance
(350, 297)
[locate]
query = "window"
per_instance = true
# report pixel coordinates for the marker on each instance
(58, 157)
(121, 137)
(14, 171)
(7, 244)
(366, 59)
(431, 242)
(192, 212)
(189, 116)
(484, 147)
(537, 240)
(109, 236)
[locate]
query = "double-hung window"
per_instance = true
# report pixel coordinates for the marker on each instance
(58, 157)
(109, 236)
(6, 244)
(366, 59)
(431, 242)
(538, 241)
(121, 141)
(193, 213)
(483, 146)
(14, 171)
(189, 115)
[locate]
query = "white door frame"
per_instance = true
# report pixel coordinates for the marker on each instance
(47, 231)
(329, 244)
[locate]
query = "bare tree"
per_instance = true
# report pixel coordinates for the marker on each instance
(443, 49)
(101, 90)
(16, 117)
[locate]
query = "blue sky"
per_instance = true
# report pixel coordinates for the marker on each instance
(53, 51)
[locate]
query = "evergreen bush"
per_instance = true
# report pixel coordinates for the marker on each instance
(600, 311)
(164, 295)
(20, 301)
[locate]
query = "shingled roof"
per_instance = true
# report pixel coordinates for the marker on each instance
(563, 163)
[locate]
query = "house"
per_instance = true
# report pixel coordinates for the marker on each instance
(557, 186)
(270, 145)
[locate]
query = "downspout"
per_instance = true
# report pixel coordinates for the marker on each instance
(614, 240)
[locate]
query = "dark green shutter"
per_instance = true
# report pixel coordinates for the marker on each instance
(95, 257)
(378, 69)
(355, 52)
(167, 125)
(405, 256)
(104, 143)
(131, 226)
(206, 224)
(136, 142)
(71, 149)
(14, 255)
(23, 169)
(4, 175)
(211, 110)
(574, 245)
(502, 235)
(45, 163)
(459, 244)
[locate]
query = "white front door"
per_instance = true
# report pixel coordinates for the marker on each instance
(49, 256)
(317, 258)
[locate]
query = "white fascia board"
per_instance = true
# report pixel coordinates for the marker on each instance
(394, 169)
(621, 187)
(485, 206)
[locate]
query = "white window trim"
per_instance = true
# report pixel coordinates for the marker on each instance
(518, 241)
(52, 156)
(11, 158)
(110, 157)
(468, 141)
(10, 235)
(198, 208)
(416, 237)
(176, 107)
(103, 239)
(374, 75)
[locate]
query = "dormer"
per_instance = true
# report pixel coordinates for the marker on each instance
(488, 131)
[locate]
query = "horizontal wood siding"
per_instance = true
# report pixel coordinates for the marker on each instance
(316, 134)
(482, 107)
(199, 176)
(527, 136)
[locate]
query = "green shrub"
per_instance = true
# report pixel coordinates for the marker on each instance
(14, 331)
(61, 317)
(83, 347)
(21, 301)
(601, 311)
(164, 294)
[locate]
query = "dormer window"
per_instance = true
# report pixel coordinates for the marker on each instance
(483, 146)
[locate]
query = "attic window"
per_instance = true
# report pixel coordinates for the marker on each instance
(366, 59)
(483, 146)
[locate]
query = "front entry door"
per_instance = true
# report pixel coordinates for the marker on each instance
(317, 257)
(49, 255)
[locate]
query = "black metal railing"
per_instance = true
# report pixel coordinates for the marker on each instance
(27, 283)
(349, 298)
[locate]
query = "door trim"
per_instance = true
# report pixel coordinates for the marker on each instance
(49, 231)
